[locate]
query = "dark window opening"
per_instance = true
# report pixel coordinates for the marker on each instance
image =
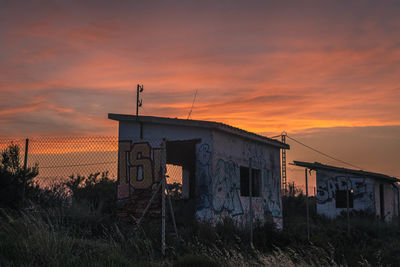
(181, 157)
(341, 198)
(382, 201)
(245, 182)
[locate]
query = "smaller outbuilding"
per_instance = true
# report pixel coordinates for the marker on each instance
(341, 188)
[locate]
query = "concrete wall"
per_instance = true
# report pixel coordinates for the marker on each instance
(391, 200)
(366, 194)
(152, 136)
(230, 152)
(327, 184)
(131, 131)
(218, 159)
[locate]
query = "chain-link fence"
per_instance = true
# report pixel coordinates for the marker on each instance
(61, 157)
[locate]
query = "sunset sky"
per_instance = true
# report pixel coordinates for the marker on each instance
(326, 72)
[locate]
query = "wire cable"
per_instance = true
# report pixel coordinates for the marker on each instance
(324, 154)
(276, 136)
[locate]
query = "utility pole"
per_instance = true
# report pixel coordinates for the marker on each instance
(138, 101)
(284, 181)
(348, 204)
(251, 201)
(307, 207)
(163, 188)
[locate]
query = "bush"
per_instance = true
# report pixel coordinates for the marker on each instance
(16, 184)
(97, 191)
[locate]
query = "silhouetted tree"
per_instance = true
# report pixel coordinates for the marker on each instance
(13, 179)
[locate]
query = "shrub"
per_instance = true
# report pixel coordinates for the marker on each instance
(16, 184)
(98, 191)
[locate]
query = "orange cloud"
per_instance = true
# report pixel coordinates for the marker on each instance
(252, 67)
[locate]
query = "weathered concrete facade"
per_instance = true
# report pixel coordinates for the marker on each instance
(215, 159)
(369, 192)
(229, 153)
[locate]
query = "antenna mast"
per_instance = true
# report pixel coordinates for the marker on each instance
(194, 99)
(138, 101)
(284, 181)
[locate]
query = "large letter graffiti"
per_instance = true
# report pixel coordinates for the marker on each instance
(226, 187)
(141, 169)
(327, 188)
(135, 167)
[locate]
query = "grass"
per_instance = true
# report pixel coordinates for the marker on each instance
(37, 237)
(30, 240)
(87, 233)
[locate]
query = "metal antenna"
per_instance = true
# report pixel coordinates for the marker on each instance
(284, 181)
(139, 102)
(194, 99)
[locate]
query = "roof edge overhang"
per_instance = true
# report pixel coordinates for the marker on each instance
(319, 166)
(200, 124)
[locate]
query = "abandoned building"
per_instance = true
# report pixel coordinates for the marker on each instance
(341, 188)
(213, 160)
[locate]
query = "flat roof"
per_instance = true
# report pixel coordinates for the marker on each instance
(320, 166)
(200, 124)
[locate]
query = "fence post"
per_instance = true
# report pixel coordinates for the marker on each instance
(25, 166)
(347, 207)
(171, 209)
(308, 213)
(163, 185)
(251, 202)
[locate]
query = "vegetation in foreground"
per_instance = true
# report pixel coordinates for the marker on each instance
(74, 224)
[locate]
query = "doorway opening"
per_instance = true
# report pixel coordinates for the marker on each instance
(181, 168)
(181, 160)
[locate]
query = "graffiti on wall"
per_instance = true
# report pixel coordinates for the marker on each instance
(226, 188)
(271, 187)
(203, 181)
(218, 182)
(220, 192)
(326, 188)
(138, 167)
(271, 194)
(218, 189)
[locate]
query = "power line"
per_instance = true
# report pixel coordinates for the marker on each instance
(324, 154)
(276, 136)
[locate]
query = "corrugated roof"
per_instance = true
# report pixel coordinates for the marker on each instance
(320, 166)
(201, 124)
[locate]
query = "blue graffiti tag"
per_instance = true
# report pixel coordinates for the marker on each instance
(226, 187)
(203, 180)
(271, 194)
